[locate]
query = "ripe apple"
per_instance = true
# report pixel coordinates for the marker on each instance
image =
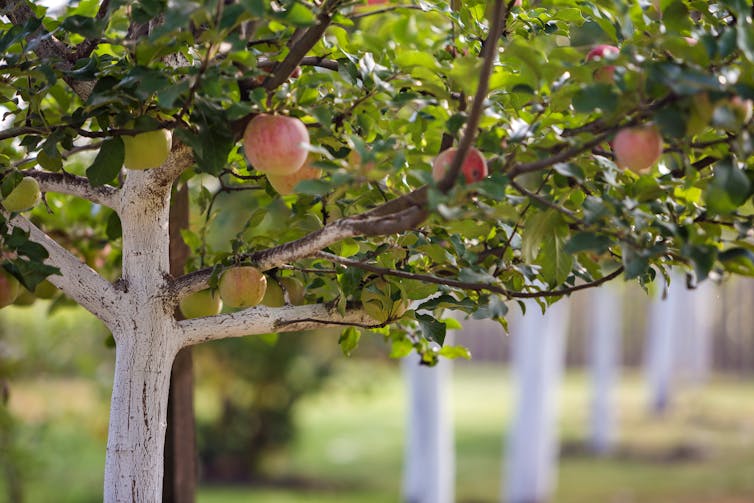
(474, 166)
(276, 144)
(637, 148)
(606, 74)
(147, 150)
(200, 304)
(285, 184)
(24, 196)
(378, 302)
(242, 286)
(9, 288)
(274, 296)
(294, 289)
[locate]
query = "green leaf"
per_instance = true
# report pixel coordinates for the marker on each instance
(596, 97)
(432, 329)
(349, 340)
(108, 162)
(88, 27)
(729, 189)
(298, 15)
(745, 37)
(738, 261)
(454, 352)
(584, 241)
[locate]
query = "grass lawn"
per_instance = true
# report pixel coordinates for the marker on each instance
(350, 445)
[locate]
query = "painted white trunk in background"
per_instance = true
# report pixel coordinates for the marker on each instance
(604, 364)
(706, 303)
(662, 343)
(429, 470)
(532, 447)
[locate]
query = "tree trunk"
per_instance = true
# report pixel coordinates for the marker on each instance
(429, 471)
(604, 362)
(538, 353)
(138, 419)
(180, 441)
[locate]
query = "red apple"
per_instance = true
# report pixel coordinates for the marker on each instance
(474, 166)
(605, 74)
(276, 144)
(637, 148)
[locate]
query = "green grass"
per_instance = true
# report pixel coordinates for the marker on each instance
(350, 445)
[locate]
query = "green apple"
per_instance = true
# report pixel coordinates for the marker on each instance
(294, 289)
(45, 290)
(382, 301)
(146, 150)
(242, 286)
(9, 288)
(24, 196)
(25, 298)
(273, 297)
(200, 304)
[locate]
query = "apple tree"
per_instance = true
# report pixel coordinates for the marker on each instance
(322, 122)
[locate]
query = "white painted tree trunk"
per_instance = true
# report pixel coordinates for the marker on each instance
(429, 471)
(532, 448)
(604, 364)
(662, 332)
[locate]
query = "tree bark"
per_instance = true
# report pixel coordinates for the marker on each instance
(180, 442)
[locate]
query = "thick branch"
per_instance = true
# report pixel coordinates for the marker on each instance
(262, 319)
(76, 279)
(65, 183)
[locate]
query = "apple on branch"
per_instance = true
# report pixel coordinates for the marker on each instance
(24, 196)
(275, 144)
(294, 289)
(285, 184)
(474, 166)
(10, 288)
(146, 150)
(274, 296)
(637, 148)
(606, 74)
(200, 304)
(243, 286)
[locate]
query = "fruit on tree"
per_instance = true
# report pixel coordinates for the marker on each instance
(147, 150)
(637, 148)
(274, 296)
(25, 298)
(10, 288)
(383, 301)
(294, 289)
(474, 167)
(45, 290)
(200, 304)
(605, 74)
(243, 286)
(285, 184)
(24, 196)
(276, 144)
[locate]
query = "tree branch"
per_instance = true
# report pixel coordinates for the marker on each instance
(466, 285)
(77, 280)
(475, 114)
(65, 183)
(262, 319)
